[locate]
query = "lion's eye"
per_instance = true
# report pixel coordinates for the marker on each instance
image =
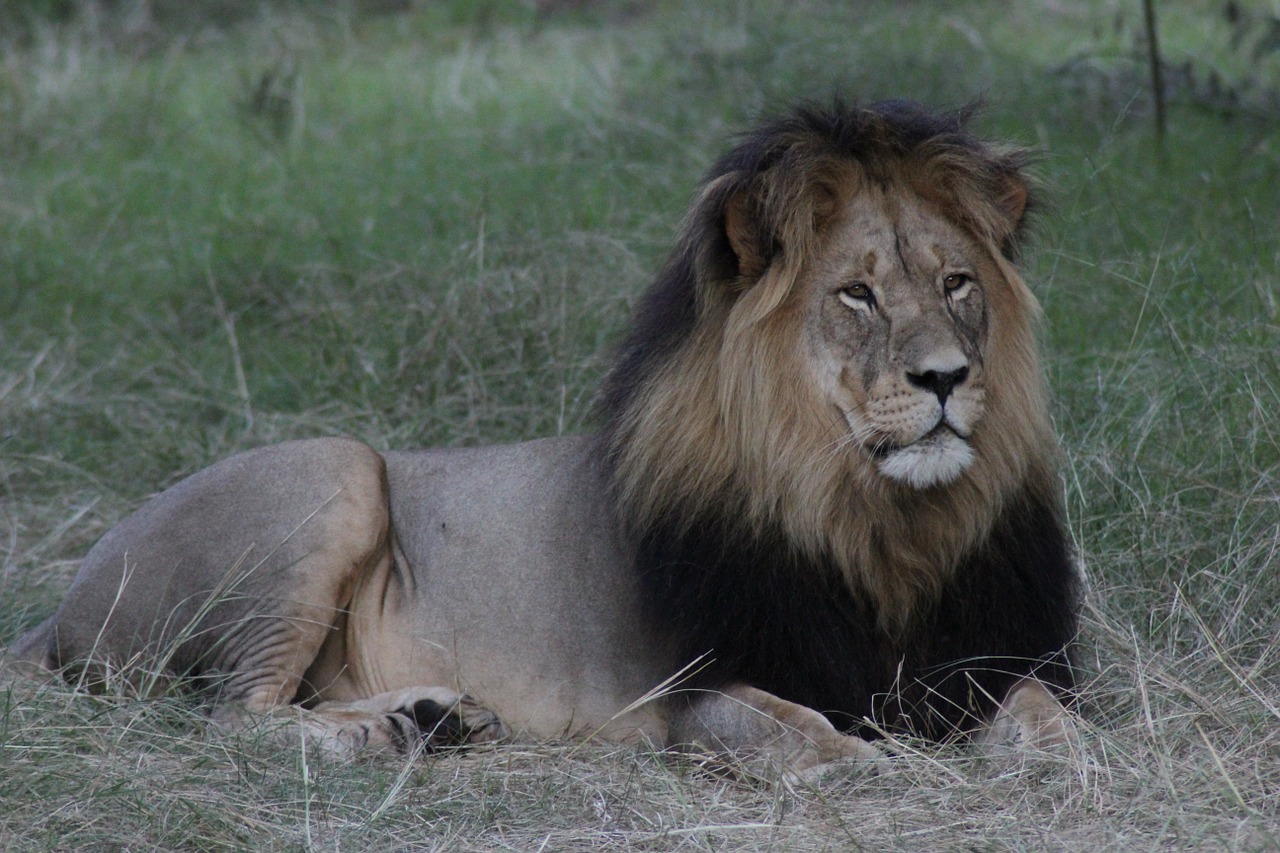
(955, 283)
(856, 295)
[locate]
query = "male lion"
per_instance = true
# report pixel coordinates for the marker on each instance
(823, 504)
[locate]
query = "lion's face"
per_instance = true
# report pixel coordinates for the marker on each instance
(896, 325)
(840, 353)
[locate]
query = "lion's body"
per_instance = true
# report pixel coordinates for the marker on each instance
(444, 545)
(824, 492)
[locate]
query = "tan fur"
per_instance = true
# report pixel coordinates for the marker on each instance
(762, 733)
(362, 586)
(1030, 717)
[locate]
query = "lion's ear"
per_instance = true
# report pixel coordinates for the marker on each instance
(992, 195)
(741, 228)
(756, 237)
(757, 231)
(730, 209)
(1012, 195)
(1010, 192)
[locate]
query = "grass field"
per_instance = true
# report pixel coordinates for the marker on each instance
(225, 224)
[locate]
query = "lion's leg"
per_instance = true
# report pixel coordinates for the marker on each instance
(232, 578)
(303, 656)
(399, 720)
(244, 579)
(756, 730)
(1030, 716)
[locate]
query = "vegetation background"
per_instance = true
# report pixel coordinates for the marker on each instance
(225, 223)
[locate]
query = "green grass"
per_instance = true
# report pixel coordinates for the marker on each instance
(227, 228)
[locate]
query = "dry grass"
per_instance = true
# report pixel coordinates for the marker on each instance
(427, 230)
(1166, 767)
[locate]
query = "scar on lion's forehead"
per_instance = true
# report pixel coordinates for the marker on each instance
(940, 255)
(870, 262)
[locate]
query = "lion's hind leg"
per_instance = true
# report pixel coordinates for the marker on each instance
(243, 581)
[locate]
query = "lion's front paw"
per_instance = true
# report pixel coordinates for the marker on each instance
(855, 757)
(1030, 717)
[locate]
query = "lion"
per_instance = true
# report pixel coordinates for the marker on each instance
(822, 506)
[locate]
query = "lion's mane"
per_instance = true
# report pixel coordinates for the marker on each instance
(791, 564)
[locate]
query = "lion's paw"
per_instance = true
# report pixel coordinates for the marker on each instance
(1031, 719)
(465, 721)
(858, 758)
(428, 717)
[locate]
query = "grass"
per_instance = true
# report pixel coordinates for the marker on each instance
(227, 228)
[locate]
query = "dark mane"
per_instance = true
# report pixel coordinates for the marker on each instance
(764, 615)
(786, 619)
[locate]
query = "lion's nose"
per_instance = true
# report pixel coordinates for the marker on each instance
(940, 382)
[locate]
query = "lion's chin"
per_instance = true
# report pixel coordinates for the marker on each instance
(935, 460)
